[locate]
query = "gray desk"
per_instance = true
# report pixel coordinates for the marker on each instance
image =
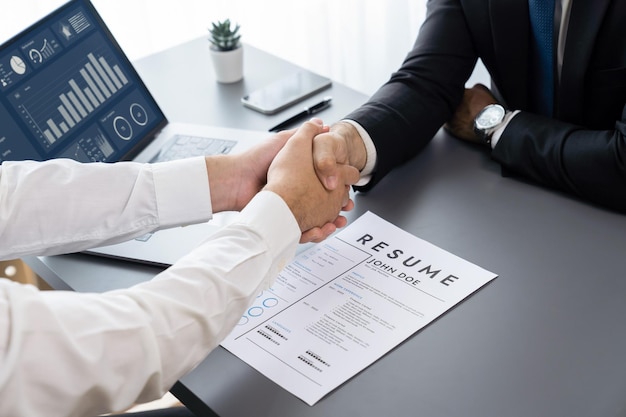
(546, 338)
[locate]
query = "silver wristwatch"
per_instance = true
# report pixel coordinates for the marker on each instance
(488, 120)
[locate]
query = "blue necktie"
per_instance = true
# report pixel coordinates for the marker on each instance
(542, 25)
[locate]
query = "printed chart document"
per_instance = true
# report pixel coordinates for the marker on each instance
(345, 302)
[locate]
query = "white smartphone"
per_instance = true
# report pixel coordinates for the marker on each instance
(285, 92)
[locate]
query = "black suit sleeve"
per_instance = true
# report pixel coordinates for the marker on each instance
(406, 112)
(422, 95)
(587, 163)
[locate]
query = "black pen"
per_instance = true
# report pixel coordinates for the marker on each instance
(308, 111)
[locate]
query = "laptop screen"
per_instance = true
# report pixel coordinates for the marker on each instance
(67, 90)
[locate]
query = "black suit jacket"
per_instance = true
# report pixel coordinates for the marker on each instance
(581, 150)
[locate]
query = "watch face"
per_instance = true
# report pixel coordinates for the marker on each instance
(490, 116)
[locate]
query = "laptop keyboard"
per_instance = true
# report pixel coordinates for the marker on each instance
(182, 146)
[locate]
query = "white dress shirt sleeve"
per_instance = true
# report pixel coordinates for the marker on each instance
(40, 213)
(78, 354)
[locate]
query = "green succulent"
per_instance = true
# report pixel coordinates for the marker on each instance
(223, 36)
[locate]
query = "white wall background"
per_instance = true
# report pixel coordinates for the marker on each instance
(356, 42)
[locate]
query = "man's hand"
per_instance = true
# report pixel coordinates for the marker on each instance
(292, 176)
(235, 179)
(341, 146)
(461, 124)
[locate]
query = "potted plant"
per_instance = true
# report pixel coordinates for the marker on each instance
(226, 51)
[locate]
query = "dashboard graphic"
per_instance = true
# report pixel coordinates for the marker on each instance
(67, 90)
(51, 108)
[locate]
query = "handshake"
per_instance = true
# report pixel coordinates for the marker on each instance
(308, 168)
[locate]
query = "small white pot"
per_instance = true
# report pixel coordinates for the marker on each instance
(228, 65)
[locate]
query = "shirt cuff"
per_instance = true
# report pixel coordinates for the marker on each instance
(370, 163)
(182, 192)
(495, 137)
(269, 216)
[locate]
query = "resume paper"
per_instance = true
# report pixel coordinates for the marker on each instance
(345, 302)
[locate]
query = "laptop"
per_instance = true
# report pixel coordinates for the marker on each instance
(67, 90)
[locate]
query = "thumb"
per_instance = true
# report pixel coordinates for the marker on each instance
(350, 174)
(326, 164)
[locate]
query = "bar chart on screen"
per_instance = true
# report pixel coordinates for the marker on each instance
(77, 95)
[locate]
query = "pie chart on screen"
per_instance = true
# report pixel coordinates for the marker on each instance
(18, 65)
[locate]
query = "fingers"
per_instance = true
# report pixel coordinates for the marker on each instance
(303, 136)
(329, 168)
(350, 174)
(308, 130)
(325, 160)
(292, 176)
(342, 145)
(318, 234)
(348, 206)
(293, 130)
(340, 222)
